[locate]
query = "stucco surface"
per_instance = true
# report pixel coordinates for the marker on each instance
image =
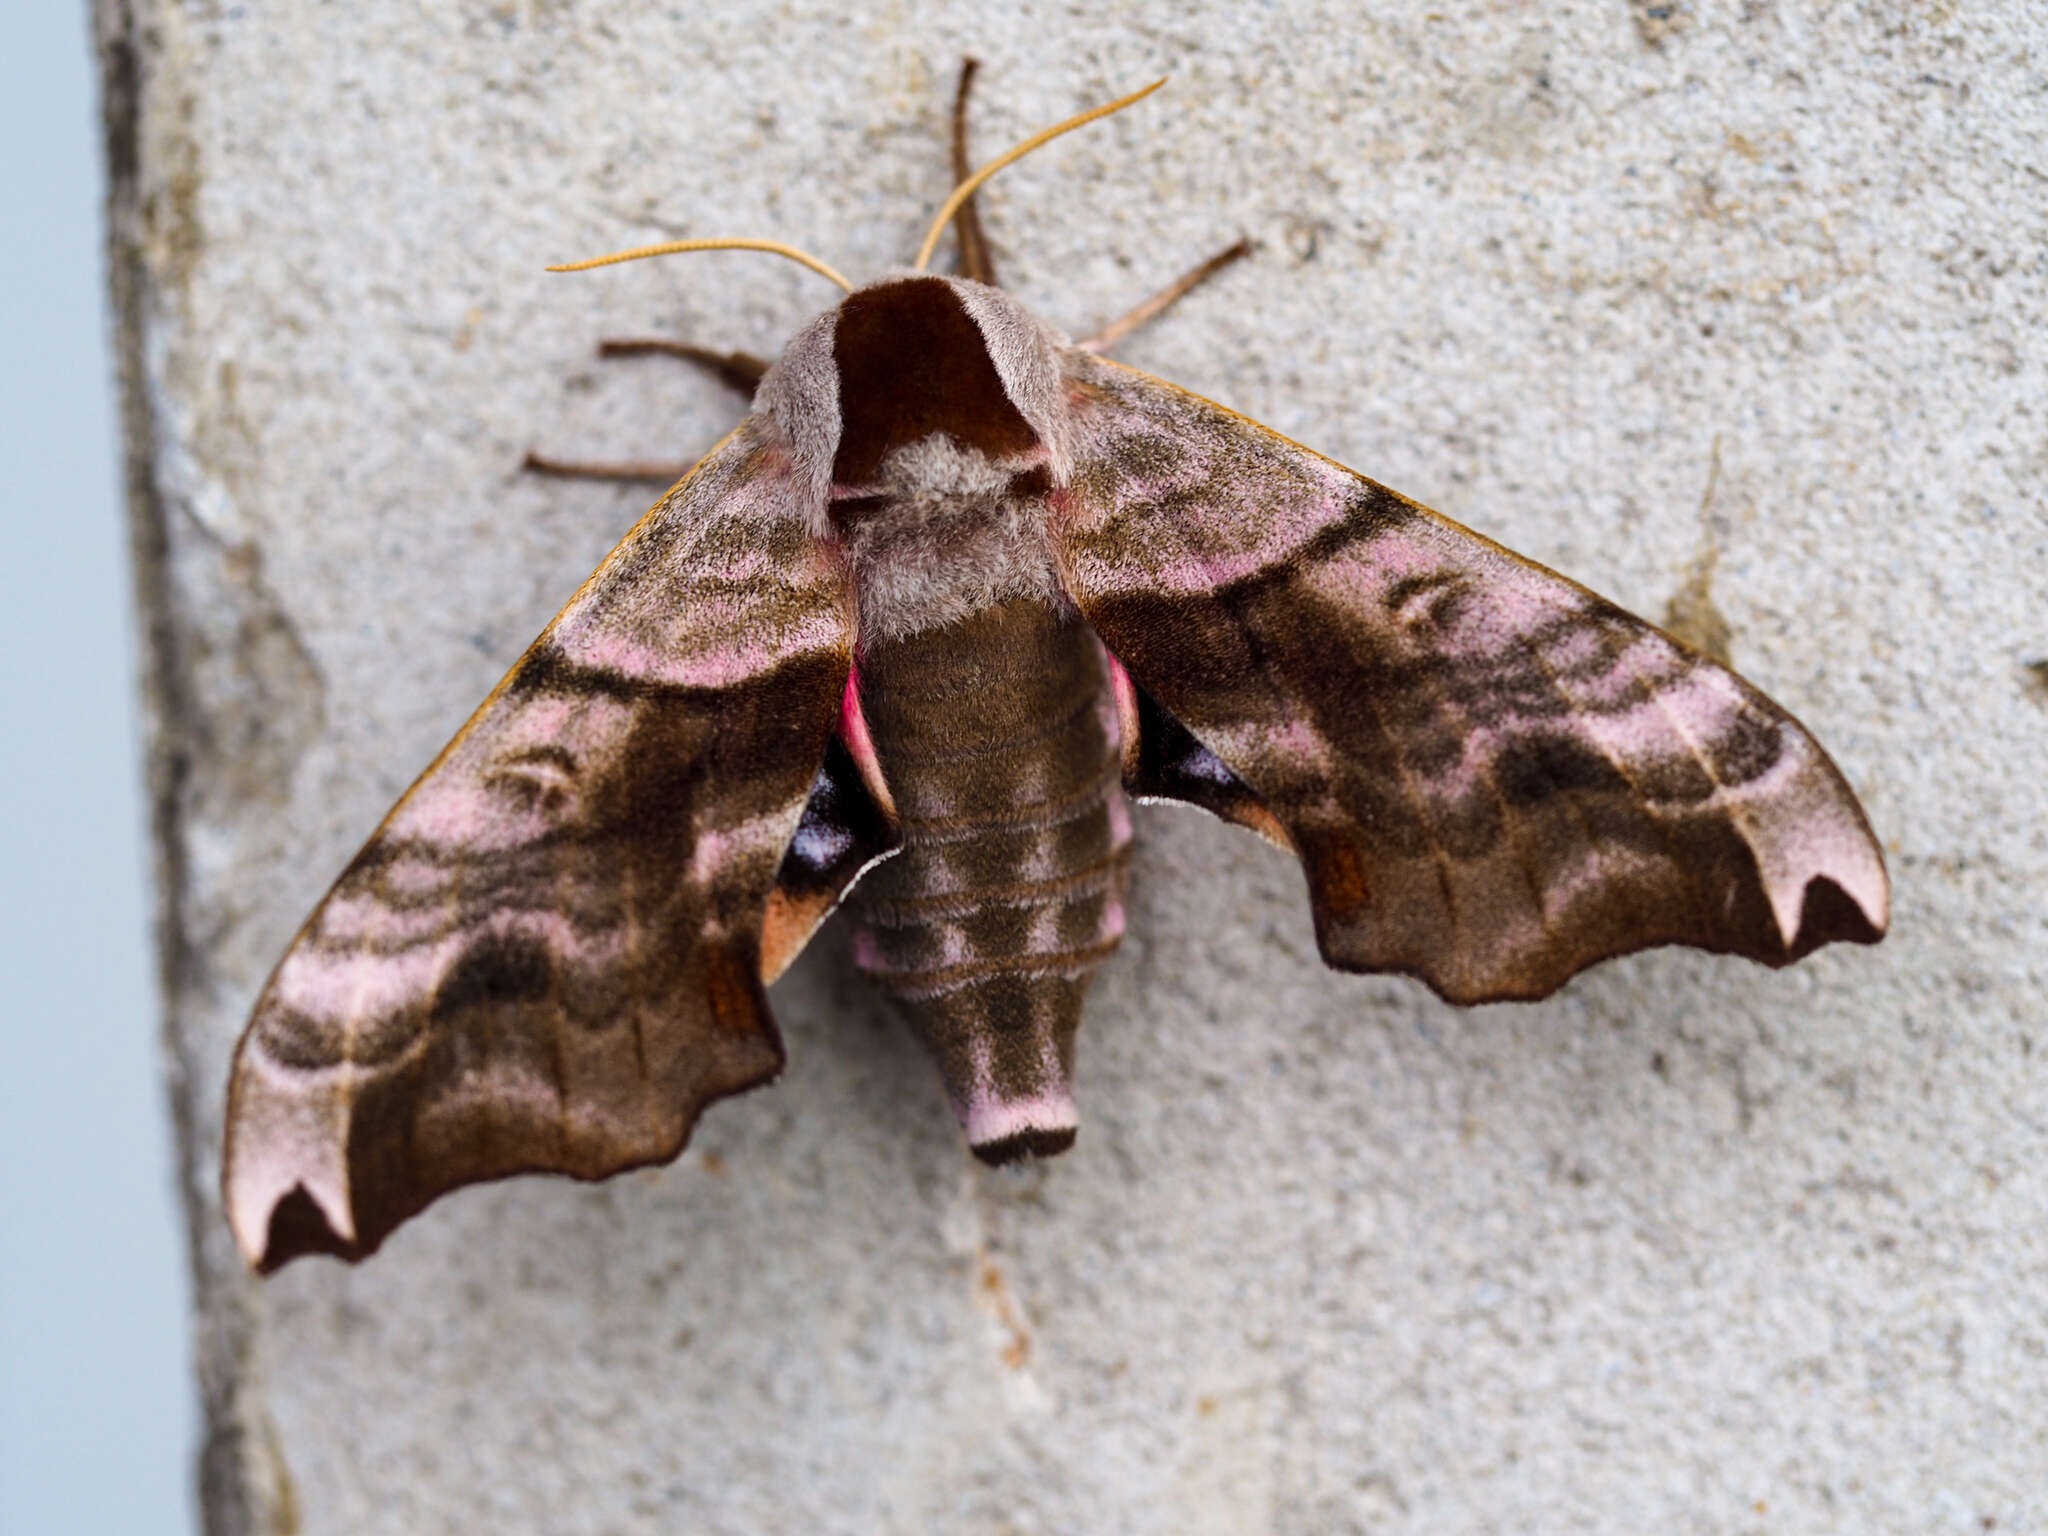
(1737, 302)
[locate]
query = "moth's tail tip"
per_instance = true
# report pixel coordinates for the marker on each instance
(1003, 1131)
(1017, 1147)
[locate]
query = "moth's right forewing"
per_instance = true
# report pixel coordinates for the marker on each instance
(1493, 777)
(549, 957)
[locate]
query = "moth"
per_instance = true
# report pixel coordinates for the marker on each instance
(915, 635)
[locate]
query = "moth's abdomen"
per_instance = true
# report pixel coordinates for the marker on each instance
(997, 736)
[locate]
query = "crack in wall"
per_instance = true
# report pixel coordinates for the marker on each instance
(231, 700)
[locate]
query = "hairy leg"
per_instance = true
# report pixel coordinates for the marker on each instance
(1163, 300)
(975, 261)
(738, 371)
(654, 470)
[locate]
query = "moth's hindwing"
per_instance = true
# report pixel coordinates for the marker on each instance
(1493, 777)
(549, 957)
(849, 825)
(1163, 761)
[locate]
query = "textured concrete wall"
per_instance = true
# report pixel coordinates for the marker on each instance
(1732, 303)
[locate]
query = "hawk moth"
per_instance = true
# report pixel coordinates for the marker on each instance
(915, 634)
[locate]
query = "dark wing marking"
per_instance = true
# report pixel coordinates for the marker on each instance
(1162, 761)
(1493, 777)
(849, 825)
(548, 957)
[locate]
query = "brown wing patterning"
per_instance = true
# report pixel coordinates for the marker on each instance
(1494, 778)
(548, 957)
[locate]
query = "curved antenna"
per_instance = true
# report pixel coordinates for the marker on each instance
(773, 247)
(967, 188)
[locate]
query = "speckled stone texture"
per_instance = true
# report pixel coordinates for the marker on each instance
(1732, 305)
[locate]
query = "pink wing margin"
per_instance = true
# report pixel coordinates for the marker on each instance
(549, 957)
(1494, 778)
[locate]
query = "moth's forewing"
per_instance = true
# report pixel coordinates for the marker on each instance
(1494, 778)
(549, 956)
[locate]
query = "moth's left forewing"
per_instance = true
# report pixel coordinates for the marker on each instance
(1494, 777)
(550, 956)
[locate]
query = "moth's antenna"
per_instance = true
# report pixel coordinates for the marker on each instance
(967, 188)
(773, 247)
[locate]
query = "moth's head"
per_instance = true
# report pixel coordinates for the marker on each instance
(909, 356)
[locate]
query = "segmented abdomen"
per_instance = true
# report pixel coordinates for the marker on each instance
(997, 736)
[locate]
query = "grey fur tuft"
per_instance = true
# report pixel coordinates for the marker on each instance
(951, 542)
(801, 392)
(1025, 351)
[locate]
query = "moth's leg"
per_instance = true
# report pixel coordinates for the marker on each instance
(975, 261)
(737, 371)
(1161, 301)
(656, 470)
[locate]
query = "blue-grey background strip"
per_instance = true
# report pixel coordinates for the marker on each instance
(97, 1407)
